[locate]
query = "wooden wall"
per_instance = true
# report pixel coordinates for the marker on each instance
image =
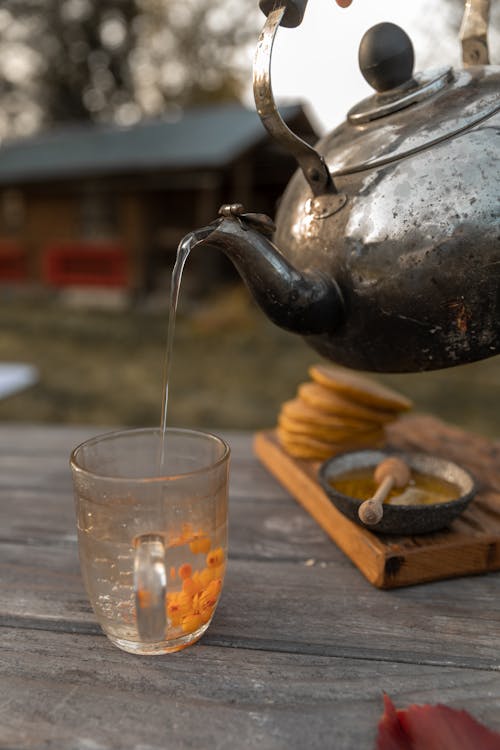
(142, 216)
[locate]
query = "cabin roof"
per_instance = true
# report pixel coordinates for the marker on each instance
(203, 138)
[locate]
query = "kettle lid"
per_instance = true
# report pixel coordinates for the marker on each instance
(386, 59)
(409, 112)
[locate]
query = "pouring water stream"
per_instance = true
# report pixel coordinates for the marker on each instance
(184, 248)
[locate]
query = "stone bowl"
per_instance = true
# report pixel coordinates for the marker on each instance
(400, 519)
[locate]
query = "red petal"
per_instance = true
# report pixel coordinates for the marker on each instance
(443, 728)
(432, 728)
(390, 733)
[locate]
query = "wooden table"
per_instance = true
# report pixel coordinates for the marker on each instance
(298, 655)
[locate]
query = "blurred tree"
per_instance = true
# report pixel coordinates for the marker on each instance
(19, 108)
(193, 51)
(86, 47)
(64, 60)
(118, 60)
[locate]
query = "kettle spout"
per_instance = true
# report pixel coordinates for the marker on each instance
(305, 303)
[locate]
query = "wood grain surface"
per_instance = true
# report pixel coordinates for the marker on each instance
(298, 655)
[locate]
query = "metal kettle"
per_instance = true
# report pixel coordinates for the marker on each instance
(386, 249)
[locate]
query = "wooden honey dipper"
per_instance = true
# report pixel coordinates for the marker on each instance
(392, 472)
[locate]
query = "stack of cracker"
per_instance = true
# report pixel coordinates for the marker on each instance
(337, 411)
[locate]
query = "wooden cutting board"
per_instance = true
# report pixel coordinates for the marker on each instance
(471, 545)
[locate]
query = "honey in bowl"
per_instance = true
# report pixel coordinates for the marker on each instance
(422, 489)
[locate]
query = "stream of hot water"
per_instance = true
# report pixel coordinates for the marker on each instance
(184, 248)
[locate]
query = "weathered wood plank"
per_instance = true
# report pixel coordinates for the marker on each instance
(36, 439)
(40, 515)
(36, 498)
(297, 656)
(332, 610)
(41, 583)
(326, 608)
(266, 527)
(59, 690)
(37, 515)
(27, 462)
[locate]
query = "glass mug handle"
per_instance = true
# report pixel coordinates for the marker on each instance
(150, 587)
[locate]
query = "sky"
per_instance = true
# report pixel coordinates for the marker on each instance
(317, 63)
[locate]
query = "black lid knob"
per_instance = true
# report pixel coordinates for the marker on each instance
(386, 56)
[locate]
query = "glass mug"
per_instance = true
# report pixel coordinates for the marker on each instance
(152, 533)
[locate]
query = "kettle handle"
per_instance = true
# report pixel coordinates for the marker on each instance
(474, 31)
(473, 37)
(310, 161)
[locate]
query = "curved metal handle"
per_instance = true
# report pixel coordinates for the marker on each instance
(312, 164)
(150, 586)
(474, 32)
(294, 12)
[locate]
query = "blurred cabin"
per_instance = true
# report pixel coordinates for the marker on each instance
(106, 206)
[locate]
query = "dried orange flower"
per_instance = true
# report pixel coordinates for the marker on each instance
(175, 614)
(207, 602)
(208, 598)
(185, 602)
(206, 576)
(218, 572)
(191, 587)
(215, 557)
(206, 614)
(191, 622)
(200, 545)
(185, 571)
(215, 587)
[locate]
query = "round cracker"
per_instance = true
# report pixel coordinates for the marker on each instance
(300, 411)
(320, 432)
(306, 447)
(298, 450)
(360, 389)
(329, 402)
(303, 446)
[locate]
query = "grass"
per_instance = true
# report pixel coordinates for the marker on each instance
(231, 367)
